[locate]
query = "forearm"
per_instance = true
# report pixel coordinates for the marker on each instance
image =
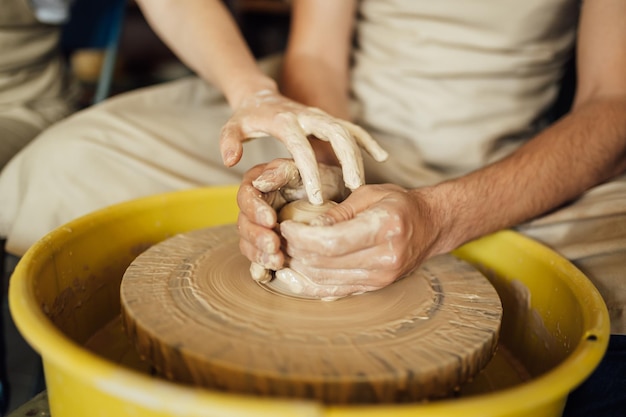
(205, 37)
(583, 149)
(316, 83)
(316, 65)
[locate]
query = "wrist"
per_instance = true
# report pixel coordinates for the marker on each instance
(443, 206)
(255, 87)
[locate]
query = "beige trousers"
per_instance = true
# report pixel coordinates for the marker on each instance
(165, 138)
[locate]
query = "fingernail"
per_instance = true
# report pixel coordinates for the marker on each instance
(265, 181)
(353, 183)
(229, 158)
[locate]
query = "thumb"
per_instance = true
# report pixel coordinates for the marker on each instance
(344, 211)
(277, 174)
(231, 147)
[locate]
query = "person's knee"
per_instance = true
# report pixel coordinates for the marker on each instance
(49, 152)
(15, 136)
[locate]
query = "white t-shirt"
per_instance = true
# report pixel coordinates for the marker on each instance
(460, 79)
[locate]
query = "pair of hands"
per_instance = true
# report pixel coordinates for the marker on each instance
(267, 113)
(376, 235)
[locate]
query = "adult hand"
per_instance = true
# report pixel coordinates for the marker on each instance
(264, 190)
(268, 113)
(377, 235)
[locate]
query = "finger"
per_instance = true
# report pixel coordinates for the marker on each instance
(296, 142)
(297, 283)
(271, 261)
(265, 239)
(356, 277)
(358, 201)
(280, 182)
(365, 230)
(252, 204)
(345, 147)
(231, 147)
(371, 258)
(259, 273)
(277, 174)
(366, 141)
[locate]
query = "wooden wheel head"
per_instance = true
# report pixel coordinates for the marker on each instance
(191, 308)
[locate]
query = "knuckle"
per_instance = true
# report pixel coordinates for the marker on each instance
(330, 247)
(285, 117)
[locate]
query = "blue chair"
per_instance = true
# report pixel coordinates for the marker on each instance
(96, 24)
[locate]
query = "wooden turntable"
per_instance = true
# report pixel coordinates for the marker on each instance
(192, 310)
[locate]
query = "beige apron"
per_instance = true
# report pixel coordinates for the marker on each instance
(34, 87)
(165, 138)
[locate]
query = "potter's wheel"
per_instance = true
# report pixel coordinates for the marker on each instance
(192, 310)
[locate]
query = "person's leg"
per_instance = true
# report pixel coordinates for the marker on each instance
(148, 141)
(592, 234)
(14, 135)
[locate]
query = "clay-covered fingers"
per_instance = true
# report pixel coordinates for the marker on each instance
(267, 113)
(257, 240)
(346, 140)
(260, 274)
(377, 235)
(290, 133)
(370, 228)
(284, 126)
(231, 143)
(342, 142)
(281, 175)
(257, 218)
(259, 244)
(257, 206)
(300, 284)
(374, 258)
(365, 141)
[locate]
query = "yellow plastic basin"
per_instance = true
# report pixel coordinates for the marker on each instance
(66, 288)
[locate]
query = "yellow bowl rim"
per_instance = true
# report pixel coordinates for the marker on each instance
(55, 347)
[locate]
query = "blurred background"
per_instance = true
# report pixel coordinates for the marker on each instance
(141, 58)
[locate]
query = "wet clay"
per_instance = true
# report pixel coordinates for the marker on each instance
(303, 211)
(191, 309)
